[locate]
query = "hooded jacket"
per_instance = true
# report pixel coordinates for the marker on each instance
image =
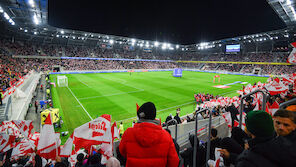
(148, 145)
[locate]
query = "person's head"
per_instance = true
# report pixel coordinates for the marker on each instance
(80, 157)
(214, 133)
(284, 122)
(147, 111)
(259, 124)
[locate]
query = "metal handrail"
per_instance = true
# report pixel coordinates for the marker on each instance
(241, 104)
(176, 126)
(209, 138)
(195, 136)
(287, 103)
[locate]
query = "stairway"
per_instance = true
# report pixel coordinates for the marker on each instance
(2, 114)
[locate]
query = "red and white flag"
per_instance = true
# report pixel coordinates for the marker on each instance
(22, 148)
(276, 87)
(66, 149)
(25, 126)
(48, 143)
(273, 108)
(95, 132)
(6, 142)
(35, 138)
(292, 56)
(10, 128)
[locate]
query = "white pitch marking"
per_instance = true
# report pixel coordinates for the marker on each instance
(110, 95)
(80, 103)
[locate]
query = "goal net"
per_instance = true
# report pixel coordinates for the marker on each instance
(62, 81)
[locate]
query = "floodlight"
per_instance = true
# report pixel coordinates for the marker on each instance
(92, 35)
(220, 45)
(82, 38)
(111, 41)
(1, 10)
(6, 16)
(67, 36)
(13, 23)
(133, 44)
(147, 45)
(177, 46)
(141, 45)
(245, 37)
(21, 28)
(120, 42)
(85, 34)
(35, 19)
(73, 37)
(257, 35)
(31, 2)
(289, 2)
(58, 35)
(26, 30)
(156, 43)
(35, 33)
(133, 40)
(62, 32)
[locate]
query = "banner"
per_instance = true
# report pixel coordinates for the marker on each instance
(54, 115)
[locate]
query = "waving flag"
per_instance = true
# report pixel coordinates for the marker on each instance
(292, 56)
(6, 142)
(66, 150)
(48, 144)
(276, 87)
(10, 128)
(24, 126)
(95, 132)
(35, 138)
(22, 148)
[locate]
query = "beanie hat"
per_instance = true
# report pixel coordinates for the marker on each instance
(147, 111)
(260, 123)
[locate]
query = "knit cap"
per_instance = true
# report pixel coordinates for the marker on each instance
(260, 123)
(147, 111)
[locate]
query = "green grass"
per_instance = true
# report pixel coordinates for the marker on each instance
(117, 94)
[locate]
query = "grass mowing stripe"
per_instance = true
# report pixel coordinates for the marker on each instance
(109, 95)
(162, 110)
(79, 103)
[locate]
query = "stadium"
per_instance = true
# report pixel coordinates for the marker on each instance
(105, 90)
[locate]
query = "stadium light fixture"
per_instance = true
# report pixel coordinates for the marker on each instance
(147, 45)
(111, 41)
(66, 36)
(1, 10)
(25, 30)
(220, 45)
(133, 44)
(62, 31)
(141, 45)
(177, 46)
(58, 35)
(73, 37)
(93, 36)
(35, 33)
(85, 34)
(21, 28)
(289, 2)
(156, 44)
(257, 35)
(31, 2)
(133, 40)
(35, 19)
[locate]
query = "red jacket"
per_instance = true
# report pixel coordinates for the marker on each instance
(148, 145)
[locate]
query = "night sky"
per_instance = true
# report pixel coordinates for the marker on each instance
(178, 22)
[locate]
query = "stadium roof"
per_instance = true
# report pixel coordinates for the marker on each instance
(31, 17)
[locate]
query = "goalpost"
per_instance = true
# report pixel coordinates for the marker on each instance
(216, 76)
(62, 81)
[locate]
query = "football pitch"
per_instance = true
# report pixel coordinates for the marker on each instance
(91, 95)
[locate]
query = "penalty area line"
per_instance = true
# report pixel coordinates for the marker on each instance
(79, 103)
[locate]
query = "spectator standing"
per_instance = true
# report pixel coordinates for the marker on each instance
(36, 106)
(147, 144)
(121, 128)
(1, 96)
